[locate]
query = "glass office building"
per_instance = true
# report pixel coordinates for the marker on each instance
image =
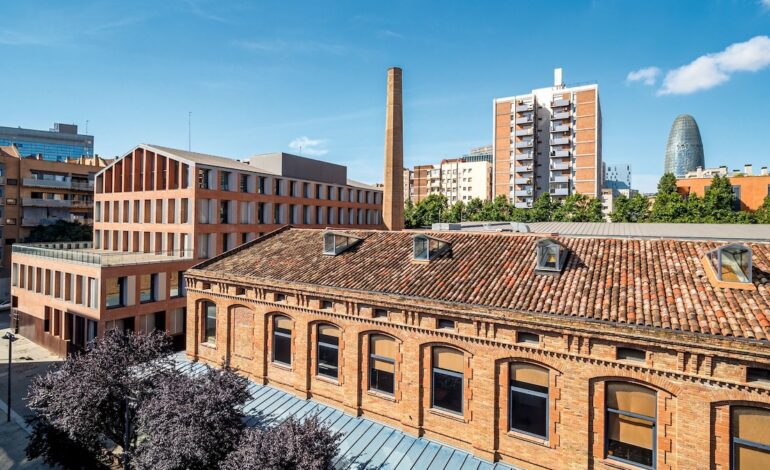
(684, 151)
(618, 176)
(57, 144)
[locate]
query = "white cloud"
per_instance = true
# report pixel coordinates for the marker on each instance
(765, 3)
(310, 147)
(647, 75)
(292, 46)
(710, 70)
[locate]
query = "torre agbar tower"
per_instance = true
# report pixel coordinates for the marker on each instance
(157, 212)
(548, 141)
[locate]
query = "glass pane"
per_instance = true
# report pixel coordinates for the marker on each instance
(630, 439)
(447, 391)
(529, 413)
(327, 361)
(420, 248)
(750, 458)
(282, 349)
(145, 292)
(632, 398)
(329, 243)
(735, 264)
(381, 380)
(211, 322)
(751, 424)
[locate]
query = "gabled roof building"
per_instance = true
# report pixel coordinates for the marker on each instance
(532, 350)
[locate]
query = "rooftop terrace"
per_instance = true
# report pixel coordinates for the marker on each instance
(85, 253)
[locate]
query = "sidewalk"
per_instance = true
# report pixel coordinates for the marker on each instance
(29, 360)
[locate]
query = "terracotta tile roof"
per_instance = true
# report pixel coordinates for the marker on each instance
(655, 283)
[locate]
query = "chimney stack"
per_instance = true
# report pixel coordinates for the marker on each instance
(748, 169)
(393, 198)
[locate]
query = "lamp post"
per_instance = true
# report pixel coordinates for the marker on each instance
(11, 338)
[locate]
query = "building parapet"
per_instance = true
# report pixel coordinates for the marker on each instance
(83, 252)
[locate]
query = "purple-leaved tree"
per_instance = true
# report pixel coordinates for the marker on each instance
(292, 444)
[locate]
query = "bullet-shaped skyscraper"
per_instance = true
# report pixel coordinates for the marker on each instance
(684, 151)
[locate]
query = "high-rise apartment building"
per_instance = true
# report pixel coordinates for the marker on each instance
(617, 176)
(548, 141)
(158, 211)
(36, 192)
(459, 179)
(58, 144)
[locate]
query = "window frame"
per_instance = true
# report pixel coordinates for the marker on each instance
(520, 390)
(434, 369)
(373, 357)
(654, 419)
(734, 440)
(284, 336)
(207, 338)
(336, 347)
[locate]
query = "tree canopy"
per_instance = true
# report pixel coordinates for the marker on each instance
(61, 231)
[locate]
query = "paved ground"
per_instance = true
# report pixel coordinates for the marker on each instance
(28, 361)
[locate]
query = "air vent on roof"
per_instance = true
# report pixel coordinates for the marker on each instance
(551, 256)
(426, 248)
(729, 266)
(337, 242)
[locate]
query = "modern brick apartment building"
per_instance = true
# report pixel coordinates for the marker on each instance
(159, 211)
(548, 141)
(749, 189)
(540, 352)
(459, 179)
(35, 191)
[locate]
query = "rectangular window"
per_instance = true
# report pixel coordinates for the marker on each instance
(177, 321)
(203, 179)
(527, 338)
(47, 320)
(630, 432)
(244, 186)
(327, 305)
(224, 212)
(116, 289)
(382, 364)
(282, 340)
(380, 313)
(529, 400)
(173, 282)
(631, 354)
(445, 324)
(328, 351)
(758, 376)
(224, 180)
(447, 383)
(211, 322)
(147, 287)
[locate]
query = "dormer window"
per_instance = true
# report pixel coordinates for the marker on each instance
(426, 248)
(730, 266)
(551, 256)
(337, 242)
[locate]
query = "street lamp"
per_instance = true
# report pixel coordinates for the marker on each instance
(11, 338)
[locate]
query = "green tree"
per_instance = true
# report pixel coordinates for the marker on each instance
(543, 209)
(669, 205)
(61, 231)
(430, 210)
(762, 214)
(473, 209)
(634, 209)
(579, 208)
(718, 202)
(497, 210)
(409, 221)
(456, 212)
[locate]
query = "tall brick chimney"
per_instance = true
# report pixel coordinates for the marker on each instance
(393, 198)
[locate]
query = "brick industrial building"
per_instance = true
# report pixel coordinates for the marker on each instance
(35, 191)
(548, 141)
(558, 352)
(159, 211)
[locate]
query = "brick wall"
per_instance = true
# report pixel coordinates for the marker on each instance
(696, 381)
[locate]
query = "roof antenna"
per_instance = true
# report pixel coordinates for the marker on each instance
(189, 131)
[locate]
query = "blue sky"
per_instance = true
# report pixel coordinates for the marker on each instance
(262, 76)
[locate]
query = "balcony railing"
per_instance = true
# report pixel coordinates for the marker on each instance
(559, 103)
(62, 203)
(560, 115)
(524, 156)
(522, 180)
(76, 185)
(559, 191)
(524, 143)
(520, 108)
(83, 252)
(522, 205)
(523, 168)
(520, 132)
(559, 179)
(561, 153)
(522, 192)
(560, 141)
(560, 128)
(525, 119)
(559, 166)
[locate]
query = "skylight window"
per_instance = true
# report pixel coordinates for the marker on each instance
(426, 248)
(551, 256)
(729, 266)
(337, 242)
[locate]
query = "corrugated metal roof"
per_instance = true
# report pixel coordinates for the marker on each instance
(365, 444)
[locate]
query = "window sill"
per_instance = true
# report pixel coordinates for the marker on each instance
(281, 365)
(527, 438)
(613, 463)
(447, 414)
(209, 345)
(329, 380)
(109, 307)
(383, 395)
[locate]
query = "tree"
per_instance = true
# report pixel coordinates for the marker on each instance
(85, 398)
(409, 221)
(496, 210)
(430, 210)
(60, 231)
(579, 208)
(718, 201)
(669, 205)
(762, 214)
(293, 444)
(456, 212)
(543, 208)
(634, 209)
(473, 209)
(191, 422)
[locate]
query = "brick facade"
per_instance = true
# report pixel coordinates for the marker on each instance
(694, 376)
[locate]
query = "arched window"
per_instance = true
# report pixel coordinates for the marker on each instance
(328, 351)
(630, 424)
(750, 438)
(210, 313)
(382, 364)
(447, 379)
(282, 340)
(529, 399)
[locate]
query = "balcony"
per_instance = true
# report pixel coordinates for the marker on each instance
(560, 141)
(524, 156)
(525, 143)
(523, 205)
(523, 169)
(561, 153)
(560, 115)
(520, 132)
(522, 192)
(522, 108)
(560, 128)
(525, 119)
(559, 179)
(559, 191)
(53, 184)
(84, 253)
(61, 203)
(559, 166)
(522, 180)
(560, 103)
